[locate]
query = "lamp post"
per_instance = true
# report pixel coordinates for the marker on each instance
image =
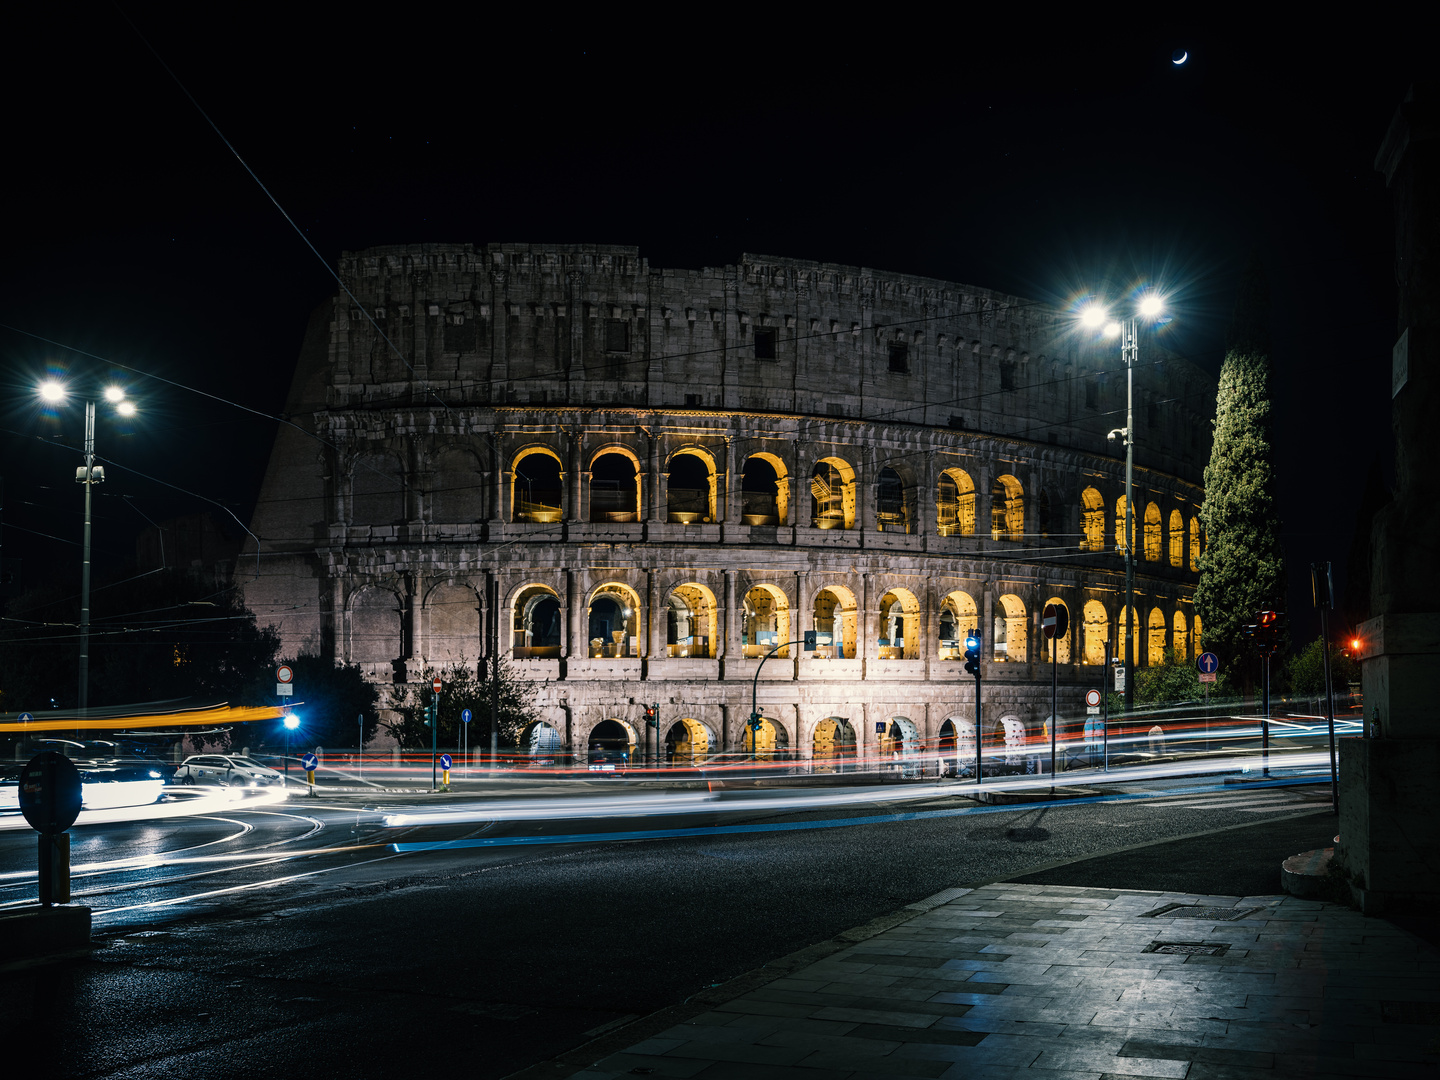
(1128, 331)
(291, 723)
(53, 392)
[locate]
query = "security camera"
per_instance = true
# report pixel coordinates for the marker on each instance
(1118, 433)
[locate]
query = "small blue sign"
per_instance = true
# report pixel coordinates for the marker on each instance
(26, 717)
(466, 716)
(1208, 663)
(311, 762)
(445, 762)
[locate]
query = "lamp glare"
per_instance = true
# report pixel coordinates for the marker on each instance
(52, 391)
(1151, 306)
(1111, 329)
(114, 395)
(1093, 315)
(126, 408)
(292, 721)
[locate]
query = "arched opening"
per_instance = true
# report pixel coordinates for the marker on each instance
(899, 629)
(542, 743)
(958, 616)
(833, 748)
(537, 488)
(1121, 520)
(957, 746)
(1092, 520)
(536, 624)
(1011, 735)
(1194, 544)
(457, 492)
(1152, 533)
(832, 495)
(769, 740)
(955, 503)
(1155, 652)
(454, 632)
(1180, 642)
(1126, 655)
(1009, 635)
(614, 488)
(1199, 639)
(377, 490)
(1177, 539)
(690, 492)
(611, 746)
(688, 742)
(767, 622)
(892, 509)
(901, 742)
(1042, 513)
(1097, 632)
(763, 491)
(835, 624)
(690, 622)
(1062, 644)
(375, 626)
(1007, 509)
(614, 621)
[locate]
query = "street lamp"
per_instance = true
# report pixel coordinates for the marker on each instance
(1127, 329)
(53, 392)
(291, 723)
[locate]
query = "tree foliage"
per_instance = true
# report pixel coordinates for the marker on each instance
(1170, 683)
(463, 688)
(329, 699)
(1307, 670)
(1242, 569)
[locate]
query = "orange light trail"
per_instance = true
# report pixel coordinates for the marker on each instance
(220, 714)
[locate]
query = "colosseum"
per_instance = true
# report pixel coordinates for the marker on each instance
(636, 483)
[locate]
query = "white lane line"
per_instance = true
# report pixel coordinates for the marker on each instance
(133, 861)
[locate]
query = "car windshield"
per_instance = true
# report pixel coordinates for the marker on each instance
(248, 763)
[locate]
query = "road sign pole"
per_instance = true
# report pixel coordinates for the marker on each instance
(1105, 713)
(360, 757)
(1054, 706)
(1265, 720)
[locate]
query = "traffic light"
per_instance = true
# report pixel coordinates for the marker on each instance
(1267, 631)
(755, 719)
(652, 715)
(972, 653)
(430, 711)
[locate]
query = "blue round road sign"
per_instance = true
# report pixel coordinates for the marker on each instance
(466, 715)
(310, 761)
(1208, 663)
(50, 792)
(445, 762)
(25, 717)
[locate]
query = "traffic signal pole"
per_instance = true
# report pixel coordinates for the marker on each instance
(972, 665)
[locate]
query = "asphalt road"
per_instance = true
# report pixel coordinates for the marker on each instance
(323, 951)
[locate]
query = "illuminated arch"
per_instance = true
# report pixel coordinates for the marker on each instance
(833, 747)
(764, 491)
(893, 512)
(689, 742)
(1155, 653)
(1194, 544)
(832, 494)
(955, 503)
(542, 743)
(690, 625)
(537, 623)
(766, 613)
(1097, 632)
(899, 626)
(1121, 519)
(958, 616)
(1062, 645)
(1010, 630)
(1007, 509)
(835, 613)
(610, 737)
(1177, 539)
(692, 492)
(537, 485)
(765, 743)
(1198, 635)
(615, 621)
(615, 485)
(1122, 647)
(1152, 533)
(1181, 639)
(1092, 520)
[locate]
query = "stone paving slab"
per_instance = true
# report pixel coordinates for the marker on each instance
(1045, 982)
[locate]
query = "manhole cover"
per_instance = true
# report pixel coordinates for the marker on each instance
(1186, 948)
(1192, 911)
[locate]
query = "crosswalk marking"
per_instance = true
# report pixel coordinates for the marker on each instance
(1255, 802)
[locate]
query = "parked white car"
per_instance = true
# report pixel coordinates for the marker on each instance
(226, 772)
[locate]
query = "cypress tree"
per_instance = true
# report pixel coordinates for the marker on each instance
(1242, 569)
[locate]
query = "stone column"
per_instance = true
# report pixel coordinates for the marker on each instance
(657, 485)
(868, 642)
(730, 499)
(730, 641)
(655, 618)
(804, 466)
(925, 520)
(577, 615)
(575, 508)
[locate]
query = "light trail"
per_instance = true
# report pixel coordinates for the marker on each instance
(188, 803)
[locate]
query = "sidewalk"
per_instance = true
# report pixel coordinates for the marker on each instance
(1053, 982)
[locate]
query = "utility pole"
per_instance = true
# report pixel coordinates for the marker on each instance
(1129, 350)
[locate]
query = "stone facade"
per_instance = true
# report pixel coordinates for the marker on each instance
(634, 481)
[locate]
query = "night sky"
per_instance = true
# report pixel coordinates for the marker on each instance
(979, 153)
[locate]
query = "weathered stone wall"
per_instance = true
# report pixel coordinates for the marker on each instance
(958, 434)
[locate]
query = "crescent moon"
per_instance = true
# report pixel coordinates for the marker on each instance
(1178, 60)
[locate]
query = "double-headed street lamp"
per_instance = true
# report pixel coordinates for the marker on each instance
(53, 393)
(1128, 331)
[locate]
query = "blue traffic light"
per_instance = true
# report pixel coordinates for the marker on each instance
(972, 653)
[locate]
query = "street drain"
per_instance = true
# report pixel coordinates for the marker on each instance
(1186, 948)
(1192, 911)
